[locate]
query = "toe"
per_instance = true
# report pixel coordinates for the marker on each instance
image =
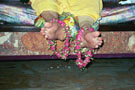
(96, 46)
(42, 31)
(46, 36)
(99, 43)
(100, 39)
(96, 34)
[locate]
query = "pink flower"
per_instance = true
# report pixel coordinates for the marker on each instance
(58, 55)
(66, 54)
(79, 62)
(59, 21)
(84, 64)
(91, 48)
(67, 40)
(68, 49)
(67, 28)
(87, 60)
(64, 57)
(62, 24)
(78, 37)
(69, 35)
(89, 53)
(77, 42)
(50, 42)
(77, 47)
(63, 51)
(82, 30)
(67, 44)
(52, 48)
(65, 48)
(91, 29)
(53, 19)
(80, 66)
(78, 54)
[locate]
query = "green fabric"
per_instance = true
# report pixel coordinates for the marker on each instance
(40, 23)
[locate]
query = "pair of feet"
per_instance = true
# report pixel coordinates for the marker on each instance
(54, 31)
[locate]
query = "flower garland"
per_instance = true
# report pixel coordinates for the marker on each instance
(89, 53)
(65, 51)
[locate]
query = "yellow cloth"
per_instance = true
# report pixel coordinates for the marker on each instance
(90, 8)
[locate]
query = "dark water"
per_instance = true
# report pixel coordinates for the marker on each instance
(102, 74)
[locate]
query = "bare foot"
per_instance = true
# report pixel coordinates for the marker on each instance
(53, 31)
(91, 39)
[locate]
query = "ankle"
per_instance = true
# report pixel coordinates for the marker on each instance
(60, 34)
(85, 25)
(49, 15)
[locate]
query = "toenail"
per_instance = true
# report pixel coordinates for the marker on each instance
(97, 46)
(46, 36)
